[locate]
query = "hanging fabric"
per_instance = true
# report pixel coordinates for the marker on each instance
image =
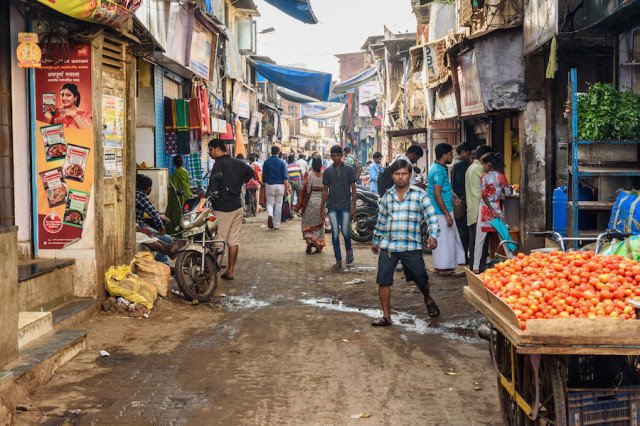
(169, 114)
(239, 146)
(182, 114)
(195, 138)
(182, 142)
(195, 116)
(193, 164)
(171, 142)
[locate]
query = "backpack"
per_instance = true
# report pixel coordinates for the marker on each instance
(385, 181)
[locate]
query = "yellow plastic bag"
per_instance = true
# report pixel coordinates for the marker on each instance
(144, 265)
(120, 281)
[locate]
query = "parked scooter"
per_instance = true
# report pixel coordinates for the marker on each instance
(198, 262)
(364, 221)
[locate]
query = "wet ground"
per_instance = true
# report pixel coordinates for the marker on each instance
(286, 342)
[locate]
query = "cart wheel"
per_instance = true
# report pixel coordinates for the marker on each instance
(501, 355)
(552, 376)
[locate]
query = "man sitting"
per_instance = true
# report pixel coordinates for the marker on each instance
(157, 232)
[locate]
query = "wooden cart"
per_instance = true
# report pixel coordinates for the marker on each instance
(532, 365)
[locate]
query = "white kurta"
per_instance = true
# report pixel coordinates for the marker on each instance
(449, 253)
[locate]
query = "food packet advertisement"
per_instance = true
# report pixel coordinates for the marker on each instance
(63, 146)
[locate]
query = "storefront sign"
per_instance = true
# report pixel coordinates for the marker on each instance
(202, 48)
(445, 105)
(63, 147)
(112, 121)
(470, 95)
(367, 92)
(541, 23)
(28, 51)
(431, 62)
(107, 12)
(241, 100)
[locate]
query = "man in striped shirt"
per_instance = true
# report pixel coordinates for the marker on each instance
(295, 176)
(397, 237)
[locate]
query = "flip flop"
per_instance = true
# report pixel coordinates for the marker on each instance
(226, 277)
(381, 322)
(433, 310)
(349, 259)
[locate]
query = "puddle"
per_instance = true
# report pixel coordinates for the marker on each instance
(241, 303)
(460, 330)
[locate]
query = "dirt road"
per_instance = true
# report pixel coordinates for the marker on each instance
(288, 343)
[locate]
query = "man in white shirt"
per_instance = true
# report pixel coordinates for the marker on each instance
(411, 156)
(303, 164)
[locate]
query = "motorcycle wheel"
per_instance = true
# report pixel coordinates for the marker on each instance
(197, 282)
(359, 233)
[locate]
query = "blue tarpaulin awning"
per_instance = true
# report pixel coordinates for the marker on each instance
(314, 84)
(292, 96)
(357, 80)
(299, 9)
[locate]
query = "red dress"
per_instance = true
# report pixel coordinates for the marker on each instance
(492, 185)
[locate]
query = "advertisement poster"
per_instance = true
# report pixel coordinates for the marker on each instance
(470, 95)
(112, 121)
(109, 162)
(202, 48)
(63, 146)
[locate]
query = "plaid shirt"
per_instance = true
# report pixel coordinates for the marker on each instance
(143, 205)
(398, 227)
(193, 165)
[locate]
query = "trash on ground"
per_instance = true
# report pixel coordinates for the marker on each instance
(104, 353)
(450, 373)
(74, 411)
(121, 281)
(25, 407)
(121, 305)
(477, 386)
(355, 281)
(361, 416)
(345, 340)
(147, 268)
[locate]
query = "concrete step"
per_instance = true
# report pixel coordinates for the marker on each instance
(32, 325)
(7, 402)
(74, 313)
(43, 285)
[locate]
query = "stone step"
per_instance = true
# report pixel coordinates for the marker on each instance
(74, 312)
(32, 325)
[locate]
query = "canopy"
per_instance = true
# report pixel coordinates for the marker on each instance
(299, 9)
(292, 96)
(357, 80)
(310, 83)
(331, 112)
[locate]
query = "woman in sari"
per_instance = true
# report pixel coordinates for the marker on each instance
(309, 207)
(181, 185)
(70, 115)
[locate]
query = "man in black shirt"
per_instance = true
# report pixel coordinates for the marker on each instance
(228, 206)
(464, 155)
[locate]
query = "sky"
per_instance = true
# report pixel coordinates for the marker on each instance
(343, 27)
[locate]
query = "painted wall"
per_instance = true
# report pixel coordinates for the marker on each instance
(21, 144)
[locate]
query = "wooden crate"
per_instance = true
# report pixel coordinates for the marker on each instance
(601, 336)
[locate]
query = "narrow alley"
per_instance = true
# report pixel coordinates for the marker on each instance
(286, 342)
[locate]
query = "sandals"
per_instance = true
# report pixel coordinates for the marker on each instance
(433, 309)
(308, 251)
(381, 322)
(226, 277)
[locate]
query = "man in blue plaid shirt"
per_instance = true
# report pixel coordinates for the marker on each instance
(397, 237)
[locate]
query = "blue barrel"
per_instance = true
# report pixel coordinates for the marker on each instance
(585, 220)
(560, 210)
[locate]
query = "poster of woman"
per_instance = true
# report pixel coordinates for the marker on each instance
(69, 114)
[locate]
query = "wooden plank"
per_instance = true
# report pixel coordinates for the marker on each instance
(577, 350)
(492, 300)
(582, 330)
(511, 332)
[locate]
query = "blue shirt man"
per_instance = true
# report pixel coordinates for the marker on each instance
(374, 170)
(276, 178)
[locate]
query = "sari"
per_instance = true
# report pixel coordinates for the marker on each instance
(308, 207)
(179, 193)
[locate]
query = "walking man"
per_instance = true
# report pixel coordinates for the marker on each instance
(473, 194)
(295, 176)
(227, 207)
(339, 197)
(465, 156)
(397, 237)
(412, 155)
(375, 168)
(276, 179)
(303, 164)
(449, 253)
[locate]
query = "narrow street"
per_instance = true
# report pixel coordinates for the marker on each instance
(287, 342)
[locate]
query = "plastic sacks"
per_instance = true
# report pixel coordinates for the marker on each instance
(120, 281)
(157, 273)
(629, 248)
(625, 215)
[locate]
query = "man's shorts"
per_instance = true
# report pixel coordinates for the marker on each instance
(412, 264)
(229, 224)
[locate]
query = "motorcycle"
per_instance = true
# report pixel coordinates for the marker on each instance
(198, 263)
(364, 221)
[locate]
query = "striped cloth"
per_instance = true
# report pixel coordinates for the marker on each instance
(398, 227)
(194, 166)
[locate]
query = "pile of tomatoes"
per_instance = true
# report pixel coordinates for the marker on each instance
(566, 285)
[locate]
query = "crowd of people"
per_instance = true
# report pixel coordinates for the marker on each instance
(456, 203)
